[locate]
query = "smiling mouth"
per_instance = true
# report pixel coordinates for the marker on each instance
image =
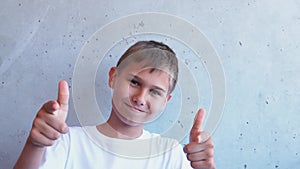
(135, 108)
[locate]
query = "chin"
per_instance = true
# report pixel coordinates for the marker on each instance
(133, 124)
(128, 121)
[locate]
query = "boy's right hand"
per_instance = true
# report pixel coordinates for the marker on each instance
(49, 122)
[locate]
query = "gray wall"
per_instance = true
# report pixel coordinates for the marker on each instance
(257, 42)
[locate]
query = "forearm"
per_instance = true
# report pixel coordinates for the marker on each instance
(30, 157)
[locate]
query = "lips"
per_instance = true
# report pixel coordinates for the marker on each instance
(135, 108)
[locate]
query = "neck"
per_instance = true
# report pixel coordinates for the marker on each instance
(116, 128)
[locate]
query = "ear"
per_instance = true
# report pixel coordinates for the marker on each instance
(112, 76)
(169, 98)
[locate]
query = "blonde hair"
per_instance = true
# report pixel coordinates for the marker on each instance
(156, 55)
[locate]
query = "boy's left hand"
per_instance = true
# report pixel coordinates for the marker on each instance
(200, 150)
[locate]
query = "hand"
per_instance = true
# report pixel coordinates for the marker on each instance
(49, 122)
(200, 150)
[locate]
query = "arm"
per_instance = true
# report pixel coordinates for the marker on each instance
(47, 127)
(200, 150)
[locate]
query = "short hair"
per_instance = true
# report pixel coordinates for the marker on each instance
(157, 55)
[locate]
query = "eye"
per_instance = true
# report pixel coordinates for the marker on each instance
(134, 82)
(155, 92)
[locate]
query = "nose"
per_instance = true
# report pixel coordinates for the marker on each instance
(140, 97)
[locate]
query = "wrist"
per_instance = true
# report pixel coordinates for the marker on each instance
(34, 144)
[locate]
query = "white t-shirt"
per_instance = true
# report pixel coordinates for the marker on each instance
(84, 148)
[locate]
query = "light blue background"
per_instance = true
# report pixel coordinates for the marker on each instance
(257, 42)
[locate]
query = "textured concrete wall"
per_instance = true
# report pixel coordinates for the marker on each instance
(257, 42)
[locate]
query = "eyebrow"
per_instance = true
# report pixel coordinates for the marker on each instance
(140, 79)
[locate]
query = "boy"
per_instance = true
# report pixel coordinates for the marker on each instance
(142, 82)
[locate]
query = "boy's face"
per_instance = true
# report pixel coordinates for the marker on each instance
(139, 94)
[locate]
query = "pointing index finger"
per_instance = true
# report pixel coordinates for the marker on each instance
(197, 126)
(198, 121)
(63, 94)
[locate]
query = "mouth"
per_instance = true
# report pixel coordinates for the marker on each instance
(135, 108)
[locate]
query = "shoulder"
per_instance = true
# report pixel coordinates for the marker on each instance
(170, 150)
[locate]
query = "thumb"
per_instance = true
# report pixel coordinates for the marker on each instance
(63, 98)
(197, 126)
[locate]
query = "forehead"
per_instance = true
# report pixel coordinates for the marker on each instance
(149, 74)
(141, 68)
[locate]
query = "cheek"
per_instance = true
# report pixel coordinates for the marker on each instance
(121, 90)
(158, 104)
